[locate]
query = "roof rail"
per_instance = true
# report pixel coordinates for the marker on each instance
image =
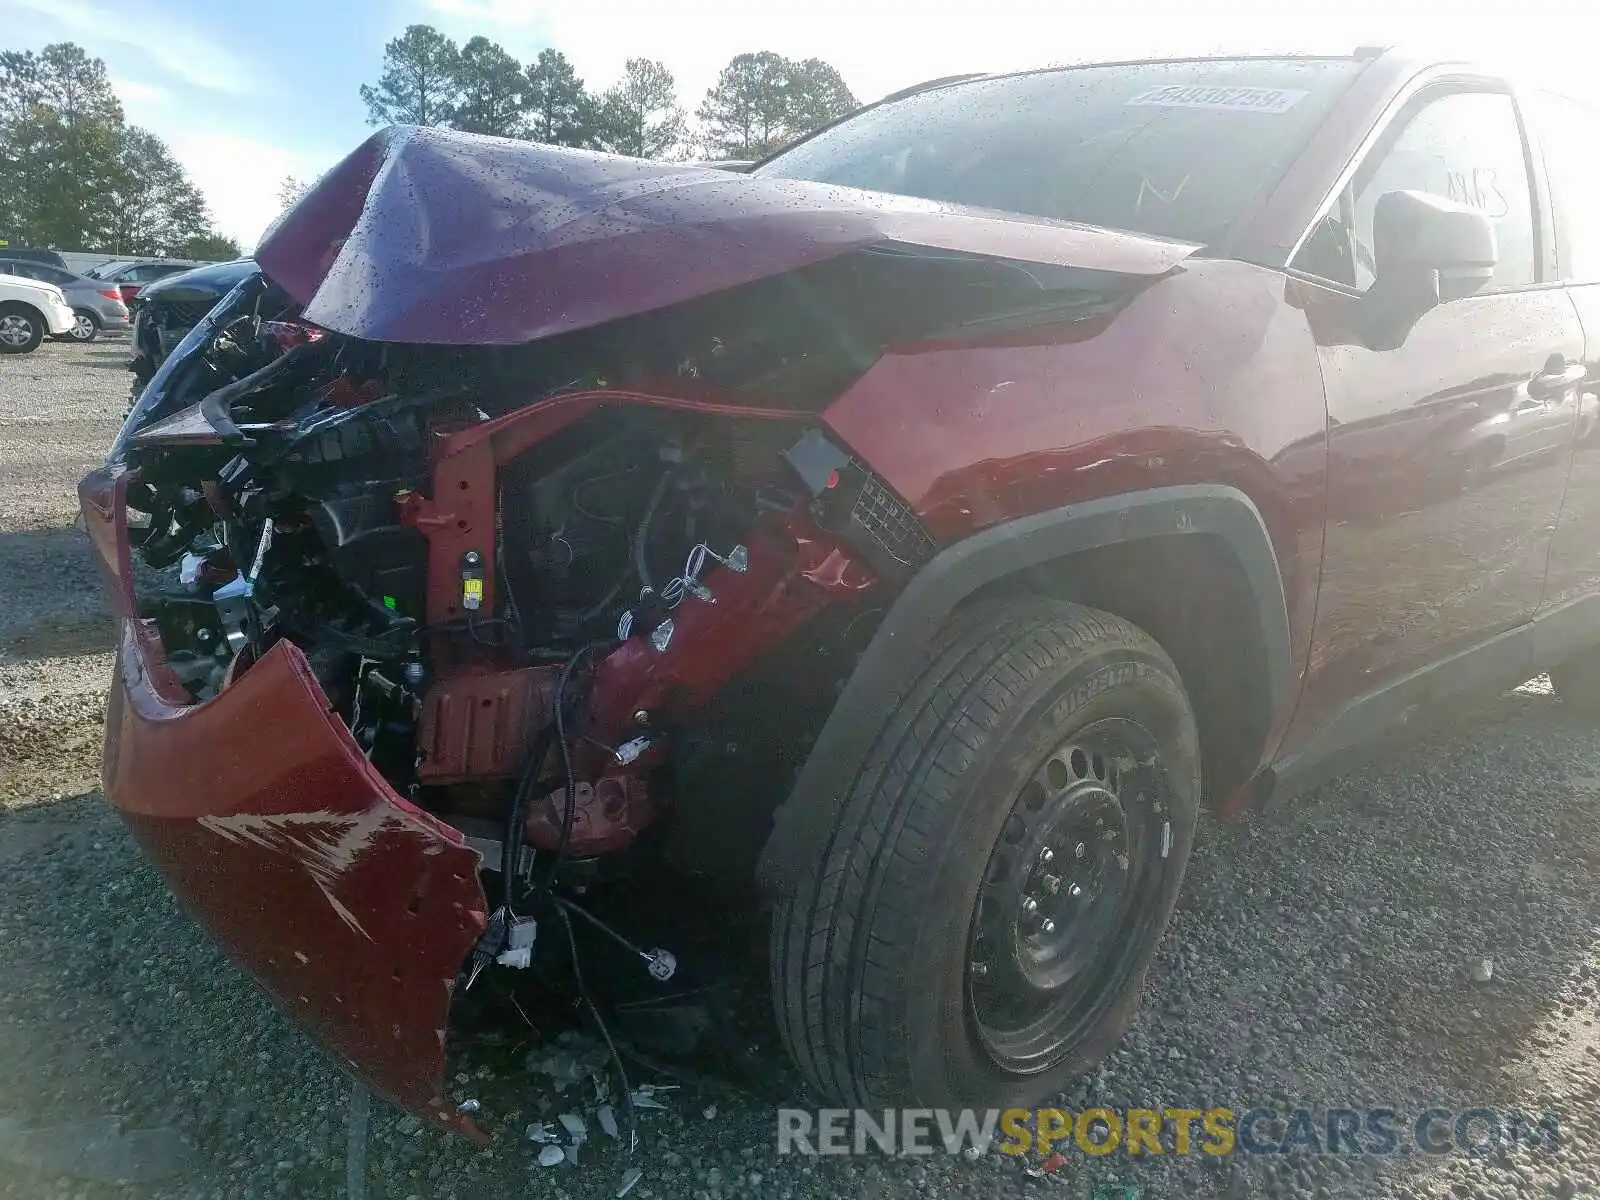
(1375, 51)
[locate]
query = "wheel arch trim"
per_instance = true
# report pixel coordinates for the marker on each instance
(902, 642)
(34, 309)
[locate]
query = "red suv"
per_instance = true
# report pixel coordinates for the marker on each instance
(929, 524)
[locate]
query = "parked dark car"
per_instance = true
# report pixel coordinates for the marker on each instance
(927, 525)
(166, 310)
(96, 306)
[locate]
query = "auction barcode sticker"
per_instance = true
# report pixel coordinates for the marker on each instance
(1251, 99)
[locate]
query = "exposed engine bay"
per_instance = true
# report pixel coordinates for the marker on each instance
(546, 623)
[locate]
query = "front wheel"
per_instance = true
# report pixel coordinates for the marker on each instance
(1001, 871)
(21, 329)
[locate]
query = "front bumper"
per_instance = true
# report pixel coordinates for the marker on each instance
(352, 907)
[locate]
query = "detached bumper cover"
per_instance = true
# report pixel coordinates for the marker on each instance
(352, 907)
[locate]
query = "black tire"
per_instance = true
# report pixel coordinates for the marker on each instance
(86, 330)
(22, 328)
(878, 995)
(1577, 682)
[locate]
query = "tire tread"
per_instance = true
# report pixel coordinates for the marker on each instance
(842, 936)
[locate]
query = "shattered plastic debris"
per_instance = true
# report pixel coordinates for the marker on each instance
(576, 1129)
(608, 1120)
(570, 1058)
(1049, 1166)
(710, 1113)
(540, 1131)
(1483, 970)
(629, 1177)
(645, 1096)
(552, 1156)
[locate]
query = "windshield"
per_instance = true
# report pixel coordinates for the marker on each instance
(1168, 148)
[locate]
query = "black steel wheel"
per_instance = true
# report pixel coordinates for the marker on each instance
(1068, 886)
(998, 877)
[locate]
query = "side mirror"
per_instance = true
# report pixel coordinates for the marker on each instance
(1427, 251)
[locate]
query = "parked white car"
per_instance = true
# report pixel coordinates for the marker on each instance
(29, 310)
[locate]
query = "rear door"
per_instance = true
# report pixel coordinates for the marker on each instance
(1447, 454)
(1568, 133)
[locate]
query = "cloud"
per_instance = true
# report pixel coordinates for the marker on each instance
(240, 177)
(171, 45)
(138, 96)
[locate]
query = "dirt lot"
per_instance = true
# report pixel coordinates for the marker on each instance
(1321, 958)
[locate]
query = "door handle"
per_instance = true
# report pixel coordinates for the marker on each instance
(1558, 376)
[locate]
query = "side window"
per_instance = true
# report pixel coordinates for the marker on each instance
(1568, 132)
(1464, 146)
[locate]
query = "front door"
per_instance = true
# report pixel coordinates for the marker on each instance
(1446, 453)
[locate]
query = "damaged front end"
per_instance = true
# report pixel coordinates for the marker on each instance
(422, 633)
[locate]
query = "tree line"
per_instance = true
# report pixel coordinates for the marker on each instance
(761, 101)
(75, 175)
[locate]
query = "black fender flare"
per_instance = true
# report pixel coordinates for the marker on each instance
(904, 640)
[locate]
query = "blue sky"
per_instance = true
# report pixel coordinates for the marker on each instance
(246, 93)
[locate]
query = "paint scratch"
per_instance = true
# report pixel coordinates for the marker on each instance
(327, 844)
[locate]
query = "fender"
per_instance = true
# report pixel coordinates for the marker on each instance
(905, 640)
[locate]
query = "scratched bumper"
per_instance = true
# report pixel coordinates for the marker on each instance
(351, 906)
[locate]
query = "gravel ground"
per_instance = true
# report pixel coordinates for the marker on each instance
(1322, 957)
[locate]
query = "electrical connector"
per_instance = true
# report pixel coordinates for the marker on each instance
(518, 954)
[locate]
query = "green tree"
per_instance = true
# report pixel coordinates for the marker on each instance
(419, 81)
(155, 208)
(817, 94)
(209, 247)
(73, 175)
(560, 110)
(744, 115)
(640, 114)
(59, 127)
(762, 101)
(290, 191)
(491, 91)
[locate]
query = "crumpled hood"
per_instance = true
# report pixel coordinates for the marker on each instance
(426, 235)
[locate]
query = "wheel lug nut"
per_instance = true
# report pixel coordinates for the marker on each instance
(1048, 927)
(1029, 905)
(1074, 890)
(979, 970)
